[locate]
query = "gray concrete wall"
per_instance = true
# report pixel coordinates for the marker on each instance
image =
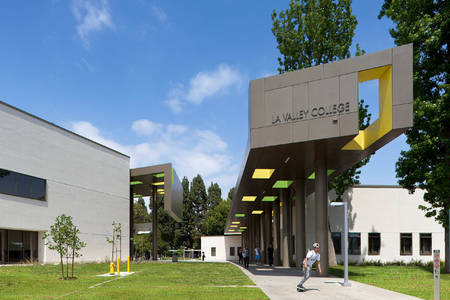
(84, 180)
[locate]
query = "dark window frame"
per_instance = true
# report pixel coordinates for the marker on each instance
(422, 237)
(403, 235)
(374, 235)
(350, 249)
(337, 251)
(21, 185)
(213, 251)
(232, 251)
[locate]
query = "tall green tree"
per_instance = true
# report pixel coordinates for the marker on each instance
(313, 32)
(217, 218)
(214, 196)
(188, 215)
(198, 199)
(426, 165)
(141, 214)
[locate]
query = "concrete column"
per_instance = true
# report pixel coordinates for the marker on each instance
(321, 203)
(276, 231)
(286, 250)
(267, 230)
(300, 232)
(262, 239)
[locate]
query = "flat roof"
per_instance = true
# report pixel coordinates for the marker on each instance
(59, 127)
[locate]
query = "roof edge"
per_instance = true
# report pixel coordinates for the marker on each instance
(60, 127)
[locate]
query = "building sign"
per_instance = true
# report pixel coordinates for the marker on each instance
(437, 273)
(315, 112)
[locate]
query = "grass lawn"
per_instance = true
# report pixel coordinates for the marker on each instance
(411, 280)
(151, 281)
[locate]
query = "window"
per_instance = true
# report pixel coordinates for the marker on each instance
(425, 244)
(374, 243)
(213, 251)
(21, 185)
(336, 237)
(354, 243)
(405, 243)
(232, 251)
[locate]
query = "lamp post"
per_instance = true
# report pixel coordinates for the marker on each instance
(344, 204)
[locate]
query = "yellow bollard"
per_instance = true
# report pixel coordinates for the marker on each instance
(118, 267)
(128, 265)
(111, 268)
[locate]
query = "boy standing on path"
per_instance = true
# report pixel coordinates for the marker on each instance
(311, 257)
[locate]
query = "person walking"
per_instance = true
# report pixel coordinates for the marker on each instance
(203, 256)
(311, 257)
(241, 259)
(270, 254)
(246, 256)
(257, 255)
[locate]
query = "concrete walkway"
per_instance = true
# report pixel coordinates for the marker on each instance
(280, 283)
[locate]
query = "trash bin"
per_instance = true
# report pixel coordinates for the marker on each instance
(175, 257)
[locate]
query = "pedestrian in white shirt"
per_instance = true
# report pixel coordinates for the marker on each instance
(311, 257)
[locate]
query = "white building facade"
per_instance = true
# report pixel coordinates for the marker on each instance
(46, 171)
(221, 248)
(385, 224)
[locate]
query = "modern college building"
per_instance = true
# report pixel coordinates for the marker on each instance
(46, 170)
(303, 131)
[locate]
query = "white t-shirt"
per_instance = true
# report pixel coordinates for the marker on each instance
(256, 251)
(312, 257)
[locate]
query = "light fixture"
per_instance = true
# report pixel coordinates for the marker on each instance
(239, 215)
(269, 198)
(159, 175)
(249, 198)
(313, 175)
(287, 159)
(262, 173)
(236, 222)
(158, 183)
(243, 227)
(137, 195)
(233, 226)
(231, 230)
(282, 184)
(135, 182)
(257, 212)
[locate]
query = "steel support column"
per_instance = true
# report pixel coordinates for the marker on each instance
(267, 230)
(277, 239)
(321, 205)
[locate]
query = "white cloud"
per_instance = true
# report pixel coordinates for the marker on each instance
(159, 13)
(92, 16)
(192, 151)
(204, 85)
(146, 128)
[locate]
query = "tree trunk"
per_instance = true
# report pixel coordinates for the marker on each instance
(73, 259)
(331, 252)
(62, 266)
(112, 250)
(447, 250)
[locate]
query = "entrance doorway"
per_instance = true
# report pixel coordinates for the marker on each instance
(17, 246)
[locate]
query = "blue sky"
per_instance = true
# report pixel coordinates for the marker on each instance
(163, 81)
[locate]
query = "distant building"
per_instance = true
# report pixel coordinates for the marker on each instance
(221, 248)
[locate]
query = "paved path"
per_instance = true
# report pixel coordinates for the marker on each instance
(280, 283)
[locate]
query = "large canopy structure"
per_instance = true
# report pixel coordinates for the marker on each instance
(304, 130)
(154, 181)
